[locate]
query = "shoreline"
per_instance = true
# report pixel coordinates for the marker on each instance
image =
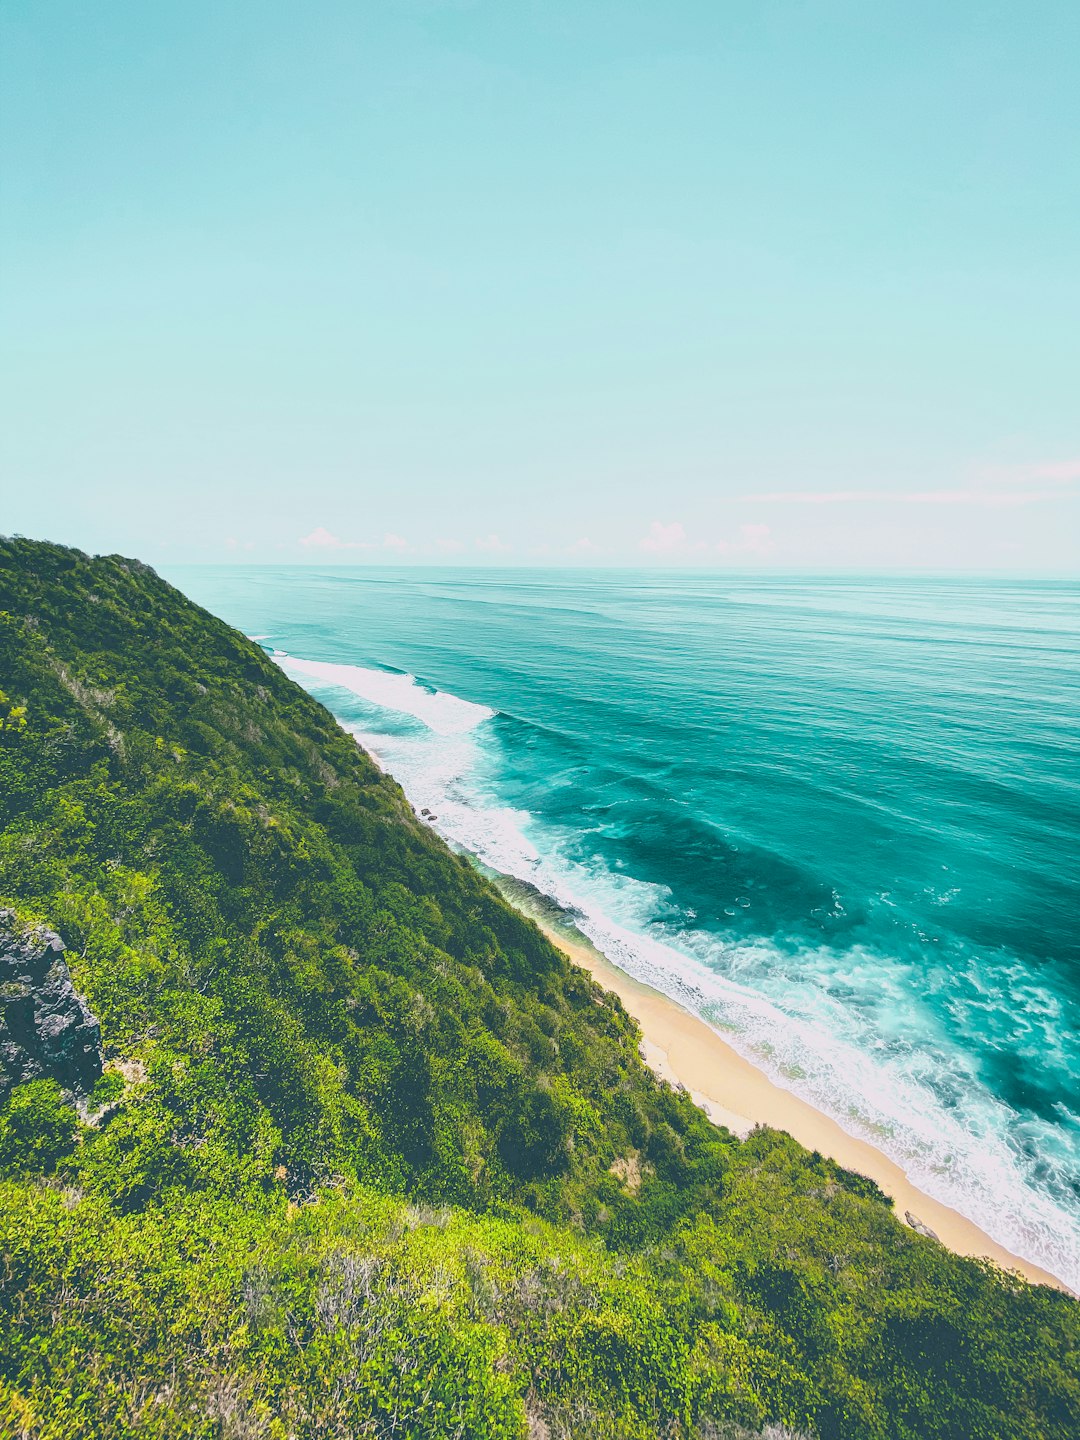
(684, 1051)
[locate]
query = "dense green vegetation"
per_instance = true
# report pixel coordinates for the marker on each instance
(369, 1156)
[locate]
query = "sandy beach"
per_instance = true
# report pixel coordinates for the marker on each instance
(685, 1051)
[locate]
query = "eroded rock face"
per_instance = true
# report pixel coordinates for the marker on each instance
(46, 1028)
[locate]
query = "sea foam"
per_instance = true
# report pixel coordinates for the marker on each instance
(966, 1156)
(442, 713)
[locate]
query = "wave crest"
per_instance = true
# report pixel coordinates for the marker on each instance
(441, 712)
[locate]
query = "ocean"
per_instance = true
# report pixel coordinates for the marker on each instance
(838, 818)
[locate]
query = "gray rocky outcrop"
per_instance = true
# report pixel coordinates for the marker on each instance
(46, 1028)
(918, 1226)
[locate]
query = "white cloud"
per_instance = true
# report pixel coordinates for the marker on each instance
(396, 542)
(664, 539)
(321, 539)
(492, 545)
(584, 546)
(1055, 472)
(991, 485)
(672, 540)
(968, 496)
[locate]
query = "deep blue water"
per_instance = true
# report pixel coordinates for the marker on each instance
(840, 818)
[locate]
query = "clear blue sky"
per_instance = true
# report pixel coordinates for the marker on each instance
(687, 281)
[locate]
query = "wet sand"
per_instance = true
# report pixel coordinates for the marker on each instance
(685, 1051)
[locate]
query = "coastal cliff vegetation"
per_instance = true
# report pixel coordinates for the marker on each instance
(368, 1156)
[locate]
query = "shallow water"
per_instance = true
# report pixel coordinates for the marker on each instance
(839, 818)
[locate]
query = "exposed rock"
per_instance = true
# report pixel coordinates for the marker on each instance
(46, 1028)
(538, 1426)
(918, 1226)
(627, 1169)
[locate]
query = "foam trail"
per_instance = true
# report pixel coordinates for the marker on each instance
(441, 712)
(969, 1170)
(963, 1160)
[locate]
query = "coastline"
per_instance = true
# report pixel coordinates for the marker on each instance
(684, 1051)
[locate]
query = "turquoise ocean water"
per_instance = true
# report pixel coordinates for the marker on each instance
(838, 818)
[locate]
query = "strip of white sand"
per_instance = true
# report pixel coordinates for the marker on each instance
(685, 1051)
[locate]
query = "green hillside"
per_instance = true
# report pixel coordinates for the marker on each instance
(369, 1157)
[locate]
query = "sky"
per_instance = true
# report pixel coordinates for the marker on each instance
(734, 283)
